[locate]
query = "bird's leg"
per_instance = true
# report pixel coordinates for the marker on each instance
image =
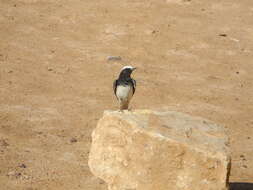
(129, 108)
(120, 109)
(123, 105)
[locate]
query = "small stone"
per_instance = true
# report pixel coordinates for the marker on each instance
(237, 72)
(22, 166)
(243, 157)
(3, 143)
(73, 140)
(223, 35)
(25, 177)
(14, 174)
(114, 58)
(155, 31)
(11, 173)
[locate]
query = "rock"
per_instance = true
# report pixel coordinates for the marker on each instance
(114, 58)
(151, 150)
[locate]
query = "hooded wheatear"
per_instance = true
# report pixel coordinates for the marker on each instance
(124, 87)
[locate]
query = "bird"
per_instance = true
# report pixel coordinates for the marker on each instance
(124, 87)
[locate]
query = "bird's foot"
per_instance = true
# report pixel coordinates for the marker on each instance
(124, 110)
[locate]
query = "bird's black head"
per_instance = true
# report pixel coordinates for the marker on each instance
(126, 72)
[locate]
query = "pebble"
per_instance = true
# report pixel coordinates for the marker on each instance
(3, 143)
(73, 140)
(22, 166)
(14, 174)
(223, 35)
(114, 58)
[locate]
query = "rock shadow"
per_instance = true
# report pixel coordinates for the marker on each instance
(241, 186)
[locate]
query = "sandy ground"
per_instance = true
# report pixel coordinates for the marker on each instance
(193, 56)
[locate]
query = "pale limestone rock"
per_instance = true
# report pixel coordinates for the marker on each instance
(151, 150)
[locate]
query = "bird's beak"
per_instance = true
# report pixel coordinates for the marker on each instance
(134, 68)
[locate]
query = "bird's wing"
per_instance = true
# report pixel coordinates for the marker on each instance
(134, 85)
(115, 83)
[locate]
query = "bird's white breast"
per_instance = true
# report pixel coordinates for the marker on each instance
(124, 93)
